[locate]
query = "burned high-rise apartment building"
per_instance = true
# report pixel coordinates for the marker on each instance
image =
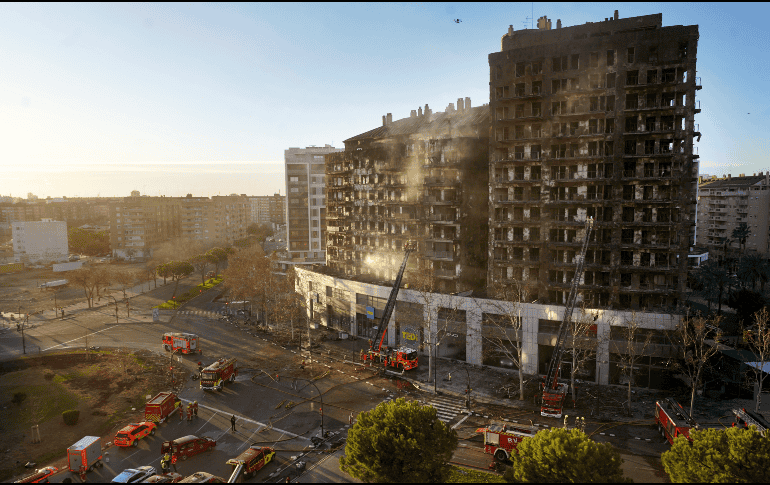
(423, 178)
(594, 121)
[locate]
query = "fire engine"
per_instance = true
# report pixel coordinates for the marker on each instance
(215, 375)
(744, 419)
(672, 420)
(401, 358)
(554, 391)
(186, 343)
(501, 440)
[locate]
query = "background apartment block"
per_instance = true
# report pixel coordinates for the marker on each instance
(40, 241)
(306, 202)
(221, 219)
(137, 224)
(723, 204)
(423, 179)
(595, 120)
(268, 209)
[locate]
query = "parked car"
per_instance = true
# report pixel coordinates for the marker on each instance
(203, 477)
(132, 475)
(170, 477)
(183, 448)
(131, 434)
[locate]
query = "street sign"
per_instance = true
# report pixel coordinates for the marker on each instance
(410, 337)
(370, 312)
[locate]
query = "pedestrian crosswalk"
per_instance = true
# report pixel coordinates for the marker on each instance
(447, 408)
(202, 313)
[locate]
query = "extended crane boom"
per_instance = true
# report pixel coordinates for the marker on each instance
(391, 303)
(402, 358)
(553, 392)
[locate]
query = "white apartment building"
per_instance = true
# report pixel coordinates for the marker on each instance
(40, 241)
(306, 202)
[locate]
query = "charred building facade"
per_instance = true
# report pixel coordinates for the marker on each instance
(422, 178)
(594, 121)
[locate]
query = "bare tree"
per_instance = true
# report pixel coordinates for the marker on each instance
(582, 343)
(631, 349)
(503, 329)
(201, 262)
(248, 277)
(758, 339)
(125, 278)
(695, 341)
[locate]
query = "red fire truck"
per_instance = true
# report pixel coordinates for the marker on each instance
(501, 440)
(186, 343)
(744, 419)
(161, 406)
(215, 375)
(672, 420)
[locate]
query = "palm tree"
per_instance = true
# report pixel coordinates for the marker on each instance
(741, 233)
(750, 270)
(714, 279)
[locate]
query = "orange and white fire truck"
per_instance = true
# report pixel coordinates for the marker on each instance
(186, 343)
(501, 440)
(672, 420)
(744, 419)
(215, 375)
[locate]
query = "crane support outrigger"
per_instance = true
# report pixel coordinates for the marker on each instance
(402, 358)
(554, 391)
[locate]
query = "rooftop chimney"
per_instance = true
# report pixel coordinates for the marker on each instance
(729, 176)
(616, 14)
(390, 118)
(460, 104)
(467, 103)
(543, 23)
(419, 111)
(510, 30)
(427, 110)
(450, 108)
(413, 113)
(383, 121)
(558, 23)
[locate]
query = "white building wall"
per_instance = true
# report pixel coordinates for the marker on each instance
(531, 314)
(40, 241)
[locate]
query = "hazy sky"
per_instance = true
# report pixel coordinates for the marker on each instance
(203, 98)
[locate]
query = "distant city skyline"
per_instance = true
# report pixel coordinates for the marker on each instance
(170, 99)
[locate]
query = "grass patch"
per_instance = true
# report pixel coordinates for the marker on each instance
(465, 475)
(189, 294)
(43, 402)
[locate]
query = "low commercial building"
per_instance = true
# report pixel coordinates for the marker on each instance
(465, 328)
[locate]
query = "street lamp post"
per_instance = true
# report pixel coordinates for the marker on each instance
(23, 341)
(468, 390)
(320, 396)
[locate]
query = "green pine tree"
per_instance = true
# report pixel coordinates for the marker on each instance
(399, 441)
(565, 456)
(732, 455)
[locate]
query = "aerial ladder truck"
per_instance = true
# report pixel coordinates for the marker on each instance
(554, 392)
(402, 358)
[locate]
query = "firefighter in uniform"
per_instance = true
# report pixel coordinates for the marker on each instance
(181, 412)
(165, 463)
(173, 462)
(189, 412)
(82, 473)
(195, 408)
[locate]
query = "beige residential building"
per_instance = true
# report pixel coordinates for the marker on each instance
(725, 203)
(222, 219)
(40, 242)
(138, 224)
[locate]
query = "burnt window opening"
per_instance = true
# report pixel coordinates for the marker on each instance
(534, 214)
(649, 124)
(652, 76)
(534, 173)
(559, 129)
(519, 111)
(630, 147)
(632, 101)
(625, 278)
(609, 125)
(668, 100)
(536, 109)
(628, 192)
(683, 50)
(574, 150)
(607, 214)
(610, 57)
(519, 69)
(536, 131)
(647, 192)
(594, 81)
(593, 149)
(652, 100)
(630, 55)
(574, 61)
(559, 108)
(631, 124)
(534, 236)
(537, 87)
(649, 149)
(534, 152)
(537, 67)
(593, 126)
(610, 80)
(518, 173)
(573, 127)
(519, 90)
(610, 103)
(594, 103)
(629, 169)
(518, 132)
(669, 75)
(653, 53)
(632, 78)
(593, 59)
